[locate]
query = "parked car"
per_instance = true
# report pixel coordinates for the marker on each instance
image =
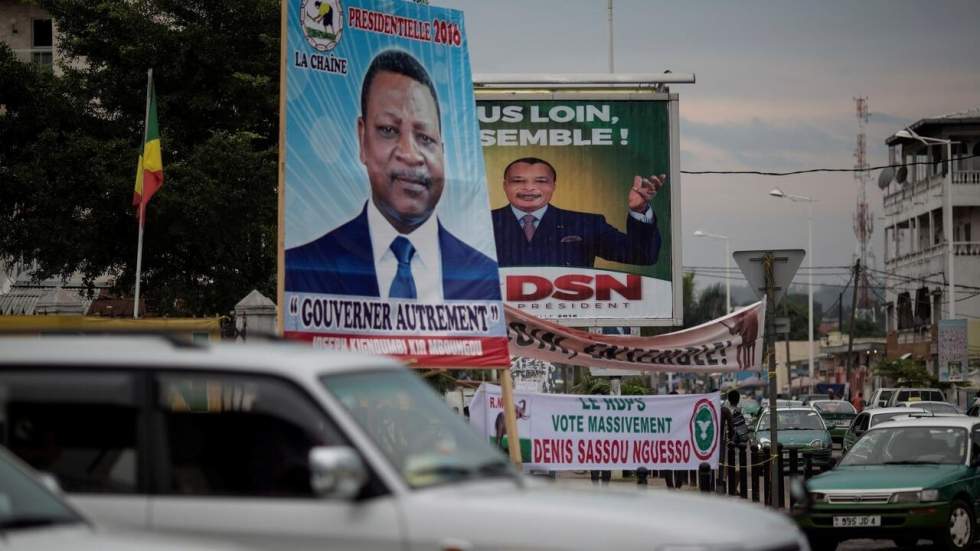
(799, 428)
(806, 399)
(904, 479)
(750, 408)
(936, 408)
(837, 414)
(870, 418)
(282, 446)
(880, 398)
(33, 517)
(915, 395)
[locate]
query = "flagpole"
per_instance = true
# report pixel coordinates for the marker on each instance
(139, 243)
(139, 263)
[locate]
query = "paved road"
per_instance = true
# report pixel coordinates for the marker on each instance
(573, 479)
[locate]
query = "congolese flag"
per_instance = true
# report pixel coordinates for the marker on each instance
(149, 171)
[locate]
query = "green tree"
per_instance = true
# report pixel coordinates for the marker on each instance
(710, 305)
(906, 373)
(66, 185)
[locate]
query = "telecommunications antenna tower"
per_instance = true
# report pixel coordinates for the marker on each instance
(863, 217)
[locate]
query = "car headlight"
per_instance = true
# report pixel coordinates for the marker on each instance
(916, 496)
(764, 442)
(904, 497)
(818, 497)
(817, 444)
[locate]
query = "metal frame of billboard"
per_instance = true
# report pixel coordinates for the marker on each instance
(541, 91)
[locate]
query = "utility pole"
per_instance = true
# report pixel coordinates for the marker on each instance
(767, 266)
(769, 273)
(850, 330)
(789, 367)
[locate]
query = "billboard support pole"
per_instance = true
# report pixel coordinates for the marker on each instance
(510, 416)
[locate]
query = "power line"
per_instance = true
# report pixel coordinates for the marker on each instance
(922, 280)
(814, 170)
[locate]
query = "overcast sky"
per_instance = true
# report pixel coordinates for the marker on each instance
(774, 92)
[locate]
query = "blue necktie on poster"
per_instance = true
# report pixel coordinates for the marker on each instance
(403, 286)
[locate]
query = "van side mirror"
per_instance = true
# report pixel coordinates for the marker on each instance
(336, 472)
(49, 481)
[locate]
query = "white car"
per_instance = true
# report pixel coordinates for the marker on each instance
(33, 517)
(936, 408)
(280, 446)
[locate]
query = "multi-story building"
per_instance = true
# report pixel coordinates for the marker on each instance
(916, 250)
(30, 32)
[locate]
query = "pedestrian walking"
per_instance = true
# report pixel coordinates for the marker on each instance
(858, 402)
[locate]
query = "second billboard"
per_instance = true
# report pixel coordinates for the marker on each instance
(581, 192)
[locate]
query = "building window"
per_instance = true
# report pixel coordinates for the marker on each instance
(42, 43)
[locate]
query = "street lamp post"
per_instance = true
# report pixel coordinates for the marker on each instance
(776, 192)
(947, 209)
(728, 261)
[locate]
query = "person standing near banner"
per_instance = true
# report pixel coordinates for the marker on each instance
(395, 247)
(530, 231)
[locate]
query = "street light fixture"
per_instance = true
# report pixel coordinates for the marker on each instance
(908, 134)
(778, 193)
(728, 261)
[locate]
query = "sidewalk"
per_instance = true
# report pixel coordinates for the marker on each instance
(579, 479)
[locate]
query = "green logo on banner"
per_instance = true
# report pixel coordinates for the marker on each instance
(704, 429)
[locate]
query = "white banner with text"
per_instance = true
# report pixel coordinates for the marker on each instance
(571, 432)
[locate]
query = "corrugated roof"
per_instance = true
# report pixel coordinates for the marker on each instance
(969, 114)
(25, 294)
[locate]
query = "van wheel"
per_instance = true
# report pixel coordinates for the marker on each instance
(958, 533)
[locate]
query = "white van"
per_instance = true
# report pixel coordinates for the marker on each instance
(279, 446)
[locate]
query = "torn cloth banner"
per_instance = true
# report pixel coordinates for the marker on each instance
(730, 343)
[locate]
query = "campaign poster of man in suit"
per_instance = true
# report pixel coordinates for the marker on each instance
(387, 244)
(583, 206)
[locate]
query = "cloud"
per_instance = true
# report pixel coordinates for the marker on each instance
(886, 118)
(763, 146)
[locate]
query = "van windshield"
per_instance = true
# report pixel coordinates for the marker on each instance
(417, 432)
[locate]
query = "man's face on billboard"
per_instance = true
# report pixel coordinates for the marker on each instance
(401, 147)
(529, 186)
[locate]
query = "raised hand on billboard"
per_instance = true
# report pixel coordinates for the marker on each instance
(643, 191)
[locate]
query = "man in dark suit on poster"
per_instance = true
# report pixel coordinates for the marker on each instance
(532, 232)
(395, 247)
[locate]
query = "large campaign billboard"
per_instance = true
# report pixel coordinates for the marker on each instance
(386, 242)
(585, 205)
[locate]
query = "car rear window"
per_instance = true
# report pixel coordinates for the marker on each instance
(885, 395)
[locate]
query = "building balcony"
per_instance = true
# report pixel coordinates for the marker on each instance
(960, 248)
(966, 177)
(966, 182)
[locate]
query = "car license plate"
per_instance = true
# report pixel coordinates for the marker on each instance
(843, 424)
(857, 521)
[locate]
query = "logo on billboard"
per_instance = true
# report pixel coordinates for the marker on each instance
(704, 429)
(574, 287)
(322, 22)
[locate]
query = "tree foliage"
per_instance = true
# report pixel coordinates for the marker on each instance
(906, 373)
(68, 157)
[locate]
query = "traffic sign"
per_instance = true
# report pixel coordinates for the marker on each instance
(785, 262)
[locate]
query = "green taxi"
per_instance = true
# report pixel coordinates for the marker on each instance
(837, 414)
(904, 479)
(799, 428)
